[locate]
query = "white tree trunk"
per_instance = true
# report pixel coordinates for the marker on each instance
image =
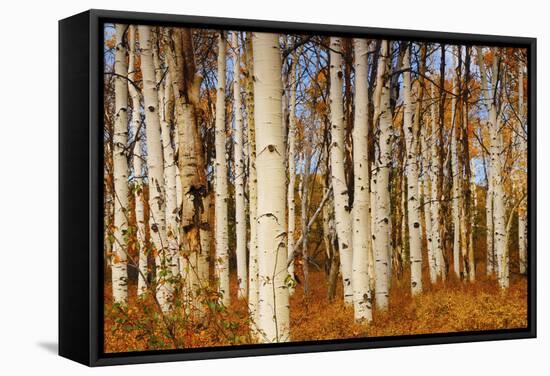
(252, 191)
(413, 198)
(165, 260)
(119, 271)
(361, 234)
(291, 202)
(496, 147)
(522, 231)
(273, 320)
(490, 224)
(304, 192)
(340, 189)
(435, 236)
(137, 165)
(426, 189)
(221, 195)
(455, 174)
(165, 96)
(203, 265)
(240, 217)
(522, 212)
(381, 235)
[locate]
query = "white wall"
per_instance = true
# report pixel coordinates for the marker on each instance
(28, 315)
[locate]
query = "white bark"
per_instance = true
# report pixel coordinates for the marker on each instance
(252, 191)
(137, 165)
(221, 195)
(340, 189)
(381, 235)
(273, 320)
(522, 231)
(361, 231)
(496, 147)
(490, 223)
(240, 217)
(522, 212)
(166, 261)
(304, 195)
(413, 201)
(119, 271)
(437, 252)
(455, 174)
(203, 265)
(166, 110)
(426, 189)
(291, 202)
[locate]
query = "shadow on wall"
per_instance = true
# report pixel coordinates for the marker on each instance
(51, 347)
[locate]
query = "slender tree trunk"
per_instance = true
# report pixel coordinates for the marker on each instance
(442, 192)
(304, 209)
(496, 147)
(273, 321)
(361, 231)
(137, 165)
(455, 200)
(119, 271)
(291, 201)
(339, 185)
(381, 235)
(252, 188)
(165, 260)
(467, 223)
(522, 212)
(411, 130)
(490, 223)
(427, 200)
(203, 258)
(221, 195)
(437, 252)
(240, 217)
(165, 94)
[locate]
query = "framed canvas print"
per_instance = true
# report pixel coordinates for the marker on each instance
(238, 187)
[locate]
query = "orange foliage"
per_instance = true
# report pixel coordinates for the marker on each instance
(454, 306)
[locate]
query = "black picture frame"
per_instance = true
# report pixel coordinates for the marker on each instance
(81, 188)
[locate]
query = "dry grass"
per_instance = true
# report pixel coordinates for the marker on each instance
(453, 306)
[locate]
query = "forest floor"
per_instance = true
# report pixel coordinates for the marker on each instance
(452, 306)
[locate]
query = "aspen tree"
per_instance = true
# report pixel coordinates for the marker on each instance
(291, 202)
(441, 265)
(166, 110)
(490, 261)
(361, 231)
(186, 82)
(381, 235)
(411, 128)
(273, 320)
(455, 199)
(240, 218)
(425, 137)
(338, 176)
(119, 272)
(522, 212)
(165, 261)
(252, 187)
(435, 207)
(305, 204)
(221, 195)
(137, 164)
(206, 236)
(467, 220)
(496, 145)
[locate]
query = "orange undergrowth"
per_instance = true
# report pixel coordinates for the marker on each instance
(452, 306)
